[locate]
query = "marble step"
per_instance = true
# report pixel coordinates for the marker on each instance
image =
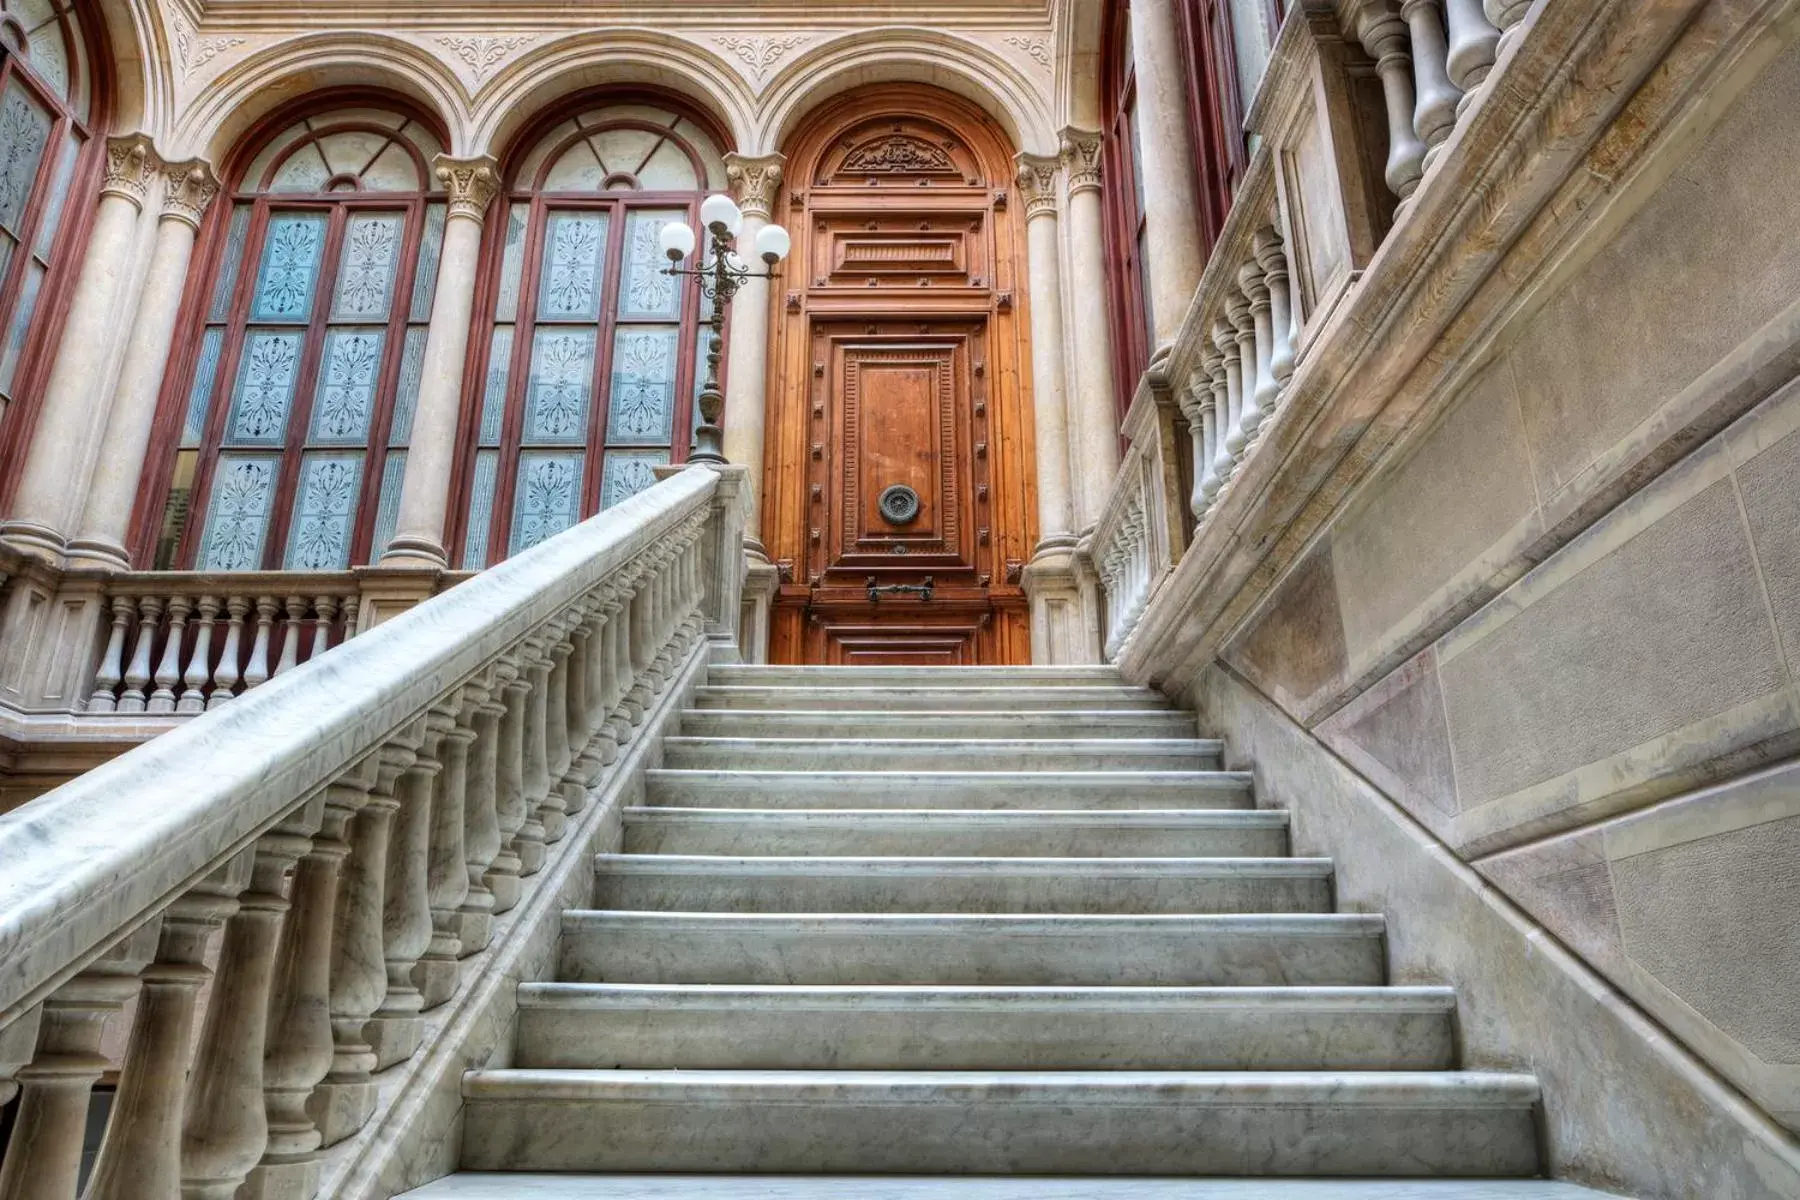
(949, 789)
(834, 698)
(1074, 723)
(709, 1026)
(479, 1185)
(1258, 950)
(708, 883)
(904, 754)
(953, 1122)
(1248, 833)
(766, 675)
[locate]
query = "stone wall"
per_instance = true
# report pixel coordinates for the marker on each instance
(1562, 630)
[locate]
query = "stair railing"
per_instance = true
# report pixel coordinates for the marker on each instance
(349, 829)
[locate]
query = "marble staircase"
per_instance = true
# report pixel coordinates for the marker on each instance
(973, 922)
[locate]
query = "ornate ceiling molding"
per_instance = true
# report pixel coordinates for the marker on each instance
(193, 51)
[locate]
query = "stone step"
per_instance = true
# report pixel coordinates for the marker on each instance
(1073, 723)
(479, 1185)
(706, 883)
(766, 675)
(714, 1027)
(832, 698)
(949, 789)
(1221, 950)
(903, 754)
(1133, 833)
(952, 1122)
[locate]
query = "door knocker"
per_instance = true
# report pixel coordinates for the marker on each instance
(898, 503)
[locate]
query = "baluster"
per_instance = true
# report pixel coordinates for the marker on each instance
(257, 672)
(199, 666)
(112, 666)
(1434, 114)
(225, 677)
(291, 634)
(611, 688)
(358, 821)
(1272, 254)
(557, 756)
(509, 794)
(481, 816)
(352, 616)
(395, 1028)
(43, 1157)
(1224, 339)
(584, 758)
(447, 873)
(1505, 15)
(535, 671)
(137, 675)
(1243, 323)
(226, 1126)
(300, 1044)
(1221, 404)
(1473, 42)
(324, 610)
(641, 643)
(625, 674)
(18, 1042)
(168, 668)
(1196, 406)
(1385, 37)
(1255, 285)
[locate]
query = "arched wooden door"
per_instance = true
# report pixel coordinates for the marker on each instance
(900, 445)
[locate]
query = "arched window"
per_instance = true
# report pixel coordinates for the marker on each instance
(297, 405)
(46, 93)
(591, 355)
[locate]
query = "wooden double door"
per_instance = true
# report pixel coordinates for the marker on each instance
(897, 498)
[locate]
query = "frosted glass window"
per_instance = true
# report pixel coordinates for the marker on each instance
(548, 496)
(574, 253)
(561, 383)
(628, 472)
(641, 411)
(324, 511)
(366, 267)
(237, 513)
(289, 273)
(267, 374)
(647, 291)
(344, 401)
(24, 132)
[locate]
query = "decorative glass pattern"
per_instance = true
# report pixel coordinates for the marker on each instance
(265, 388)
(20, 325)
(493, 400)
(506, 304)
(366, 266)
(290, 267)
(646, 291)
(641, 411)
(58, 202)
(324, 506)
(481, 510)
(237, 515)
(625, 473)
(229, 265)
(345, 397)
(387, 505)
(406, 394)
(574, 250)
(548, 496)
(206, 373)
(24, 130)
(561, 383)
(431, 250)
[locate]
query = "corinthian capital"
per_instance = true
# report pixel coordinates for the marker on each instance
(1081, 159)
(190, 189)
(469, 182)
(754, 181)
(1038, 174)
(131, 163)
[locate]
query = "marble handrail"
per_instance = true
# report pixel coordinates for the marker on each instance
(352, 825)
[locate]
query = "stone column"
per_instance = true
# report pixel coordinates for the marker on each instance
(1038, 178)
(1173, 253)
(754, 184)
(425, 492)
(1093, 416)
(190, 188)
(56, 467)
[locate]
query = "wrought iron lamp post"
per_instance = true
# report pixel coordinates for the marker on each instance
(721, 275)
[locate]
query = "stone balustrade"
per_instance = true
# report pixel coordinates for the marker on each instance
(347, 865)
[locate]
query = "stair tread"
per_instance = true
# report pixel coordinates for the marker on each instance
(858, 865)
(1327, 924)
(478, 1185)
(1266, 818)
(1417, 998)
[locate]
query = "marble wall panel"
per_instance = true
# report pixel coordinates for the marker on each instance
(1395, 733)
(1295, 646)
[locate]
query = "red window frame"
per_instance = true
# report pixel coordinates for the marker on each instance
(1124, 223)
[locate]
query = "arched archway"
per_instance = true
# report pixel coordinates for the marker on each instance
(900, 443)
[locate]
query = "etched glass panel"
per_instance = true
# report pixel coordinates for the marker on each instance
(264, 394)
(324, 508)
(547, 499)
(625, 473)
(623, 151)
(574, 250)
(506, 304)
(304, 171)
(290, 267)
(576, 171)
(59, 197)
(481, 510)
(230, 264)
(646, 291)
(641, 411)
(392, 171)
(21, 325)
(365, 282)
(24, 131)
(206, 373)
(51, 58)
(431, 249)
(237, 514)
(493, 399)
(669, 170)
(406, 393)
(387, 503)
(344, 399)
(559, 386)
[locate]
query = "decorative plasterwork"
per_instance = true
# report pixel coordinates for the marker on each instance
(1081, 158)
(760, 53)
(1034, 46)
(754, 181)
(469, 182)
(193, 51)
(482, 55)
(1037, 183)
(191, 187)
(131, 163)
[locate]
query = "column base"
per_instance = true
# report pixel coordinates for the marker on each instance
(1065, 617)
(340, 1108)
(475, 927)
(296, 1180)
(395, 1038)
(409, 553)
(39, 541)
(502, 879)
(101, 553)
(437, 977)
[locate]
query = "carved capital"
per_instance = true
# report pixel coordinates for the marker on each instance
(131, 163)
(190, 189)
(1038, 174)
(1081, 159)
(754, 181)
(470, 183)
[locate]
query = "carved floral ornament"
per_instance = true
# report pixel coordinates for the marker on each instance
(191, 187)
(482, 55)
(193, 51)
(1037, 49)
(1081, 159)
(754, 182)
(1037, 183)
(131, 163)
(469, 182)
(759, 53)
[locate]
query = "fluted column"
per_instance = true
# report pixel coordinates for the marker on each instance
(1174, 254)
(1093, 416)
(1039, 179)
(755, 181)
(418, 539)
(189, 189)
(48, 501)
